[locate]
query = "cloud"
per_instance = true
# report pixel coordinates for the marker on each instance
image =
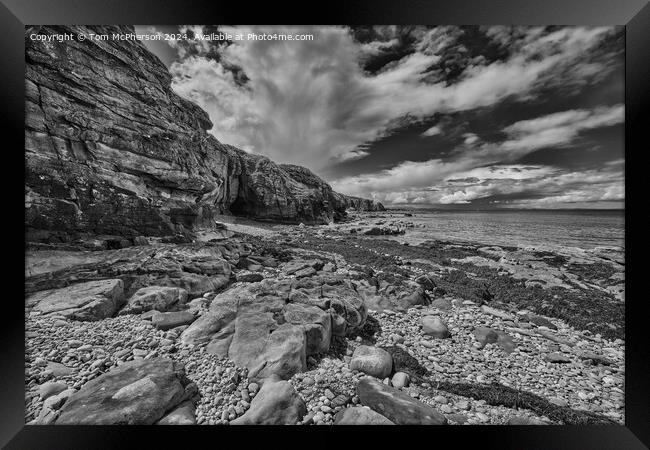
(548, 187)
(482, 171)
(353, 155)
(470, 138)
(432, 131)
(312, 103)
(556, 130)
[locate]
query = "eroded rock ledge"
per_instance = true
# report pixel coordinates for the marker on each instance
(112, 149)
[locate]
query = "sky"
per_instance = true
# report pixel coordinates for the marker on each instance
(471, 117)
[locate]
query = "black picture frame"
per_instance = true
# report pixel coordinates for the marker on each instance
(634, 14)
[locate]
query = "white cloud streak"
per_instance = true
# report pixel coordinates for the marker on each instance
(311, 103)
(441, 182)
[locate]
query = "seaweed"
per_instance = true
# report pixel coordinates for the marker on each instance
(403, 361)
(592, 272)
(496, 394)
(368, 332)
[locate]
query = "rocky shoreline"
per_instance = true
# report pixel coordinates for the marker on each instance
(268, 324)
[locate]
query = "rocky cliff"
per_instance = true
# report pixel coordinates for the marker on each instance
(362, 204)
(110, 148)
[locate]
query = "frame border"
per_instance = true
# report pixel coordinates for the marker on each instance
(634, 14)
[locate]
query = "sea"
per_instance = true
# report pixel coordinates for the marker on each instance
(585, 229)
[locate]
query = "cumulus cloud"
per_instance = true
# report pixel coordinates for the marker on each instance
(432, 131)
(556, 130)
(482, 171)
(312, 103)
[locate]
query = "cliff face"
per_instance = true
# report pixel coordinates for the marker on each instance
(362, 204)
(110, 148)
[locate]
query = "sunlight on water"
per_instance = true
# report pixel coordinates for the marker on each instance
(583, 229)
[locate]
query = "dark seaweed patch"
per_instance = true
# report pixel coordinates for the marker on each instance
(496, 394)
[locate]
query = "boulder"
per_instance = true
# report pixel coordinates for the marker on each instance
(273, 325)
(400, 380)
(138, 392)
(58, 370)
(434, 326)
(89, 301)
(159, 298)
(249, 277)
(51, 388)
(182, 415)
(359, 415)
(557, 358)
(316, 323)
(140, 240)
(266, 348)
(485, 335)
(372, 361)
(276, 403)
(409, 294)
(306, 272)
(397, 406)
(222, 312)
(442, 304)
(168, 320)
(196, 285)
(595, 358)
(56, 401)
(295, 266)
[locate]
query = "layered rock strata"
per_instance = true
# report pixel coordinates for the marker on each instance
(112, 149)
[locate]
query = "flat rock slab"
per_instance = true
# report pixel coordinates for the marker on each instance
(51, 388)
(158, 298)
(168, 320)
(497, 313)
(249, 277)
(89, 301)
(138, 392)
(555, 338)
(360, 415)
(396, 406)
(293, 267)
(557, 358)
(276, 403)
(183, 415)
(541, 321)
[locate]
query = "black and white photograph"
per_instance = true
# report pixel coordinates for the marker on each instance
(324, 225)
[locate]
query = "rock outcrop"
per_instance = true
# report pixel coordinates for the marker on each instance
(362, 204)
(137, 392)
(277, 403)
(112, 149)
(94, 300)
(395, 405)
(271, 327)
